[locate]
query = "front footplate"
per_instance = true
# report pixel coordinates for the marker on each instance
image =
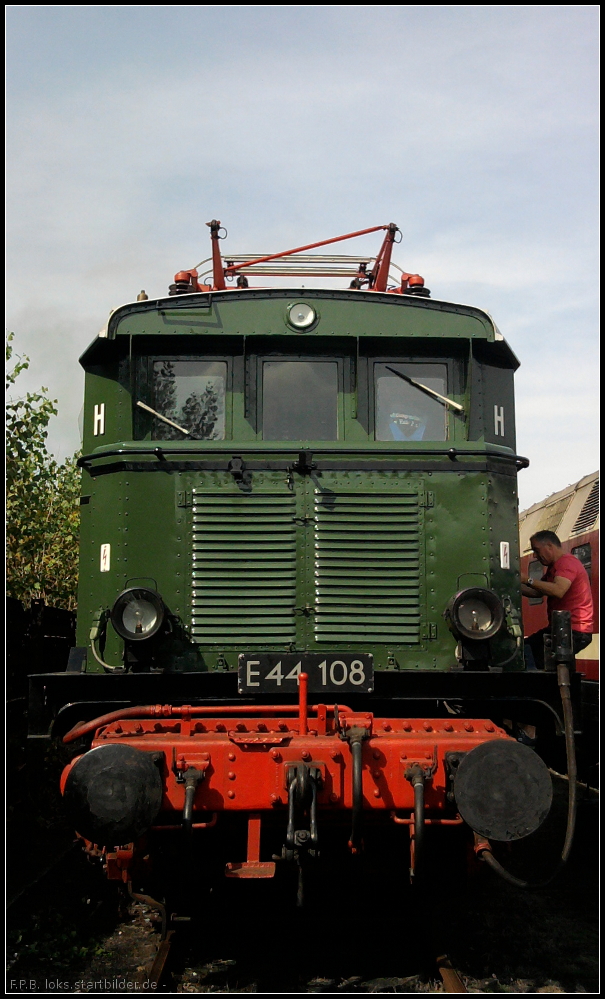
(252, 866)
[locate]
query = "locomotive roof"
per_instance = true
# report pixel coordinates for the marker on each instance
(426, 318)
(208, 306)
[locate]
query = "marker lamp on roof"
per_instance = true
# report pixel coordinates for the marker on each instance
(474, 613)
(138, 614)
(301, 316)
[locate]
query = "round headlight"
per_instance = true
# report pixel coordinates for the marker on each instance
(475, 613)
(138, 613)
(301, 316)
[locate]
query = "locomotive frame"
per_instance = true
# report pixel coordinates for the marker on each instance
(199, 557)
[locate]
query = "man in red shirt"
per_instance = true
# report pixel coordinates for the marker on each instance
(566, 586)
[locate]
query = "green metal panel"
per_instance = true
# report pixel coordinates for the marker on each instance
(361, 562)
(503, 528)
(363, 556)
(257, 312)
(492, 415)
(136, 514)
(109, 399)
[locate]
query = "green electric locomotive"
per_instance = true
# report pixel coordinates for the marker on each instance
(299, 594)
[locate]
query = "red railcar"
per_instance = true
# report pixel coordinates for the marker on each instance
(573, 514)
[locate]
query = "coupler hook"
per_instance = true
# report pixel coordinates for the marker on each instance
(303, 782)
(302, 789)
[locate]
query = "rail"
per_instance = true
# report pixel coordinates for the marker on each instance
(450, 977)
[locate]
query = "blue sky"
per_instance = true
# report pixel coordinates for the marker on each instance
(473, 127)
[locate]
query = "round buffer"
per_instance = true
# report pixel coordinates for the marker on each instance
(113, 794)
(503, 790)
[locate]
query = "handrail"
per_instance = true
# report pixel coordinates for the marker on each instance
(309, 258)
(187, 711)
(255, 449)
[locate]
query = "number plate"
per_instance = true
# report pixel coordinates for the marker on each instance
(275, 672)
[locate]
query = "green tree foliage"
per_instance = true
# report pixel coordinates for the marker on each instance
(42, 501)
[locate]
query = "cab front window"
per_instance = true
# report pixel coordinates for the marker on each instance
(191, 395)
(300, 400)
(404, 411)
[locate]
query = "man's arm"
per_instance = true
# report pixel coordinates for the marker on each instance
(529, 591)
(557, 589)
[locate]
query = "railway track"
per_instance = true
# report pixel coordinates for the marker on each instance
(157, 972)
(530, 941)
(158, 969)
(164, 968)
(452, 981)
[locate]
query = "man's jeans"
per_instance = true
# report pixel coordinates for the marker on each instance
(534, 646)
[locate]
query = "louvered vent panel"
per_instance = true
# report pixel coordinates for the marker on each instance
(367, 571)
(244, 569)
(553, 514)
(589, 512)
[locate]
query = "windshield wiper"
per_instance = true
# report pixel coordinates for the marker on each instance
(424, 388)
(164, 419)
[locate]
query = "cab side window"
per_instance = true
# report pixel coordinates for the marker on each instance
(403, 410)
(584, 554)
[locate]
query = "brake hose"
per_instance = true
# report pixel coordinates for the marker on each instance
(97, 631)
(106, 666)
(356, 740)
(572, 773)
